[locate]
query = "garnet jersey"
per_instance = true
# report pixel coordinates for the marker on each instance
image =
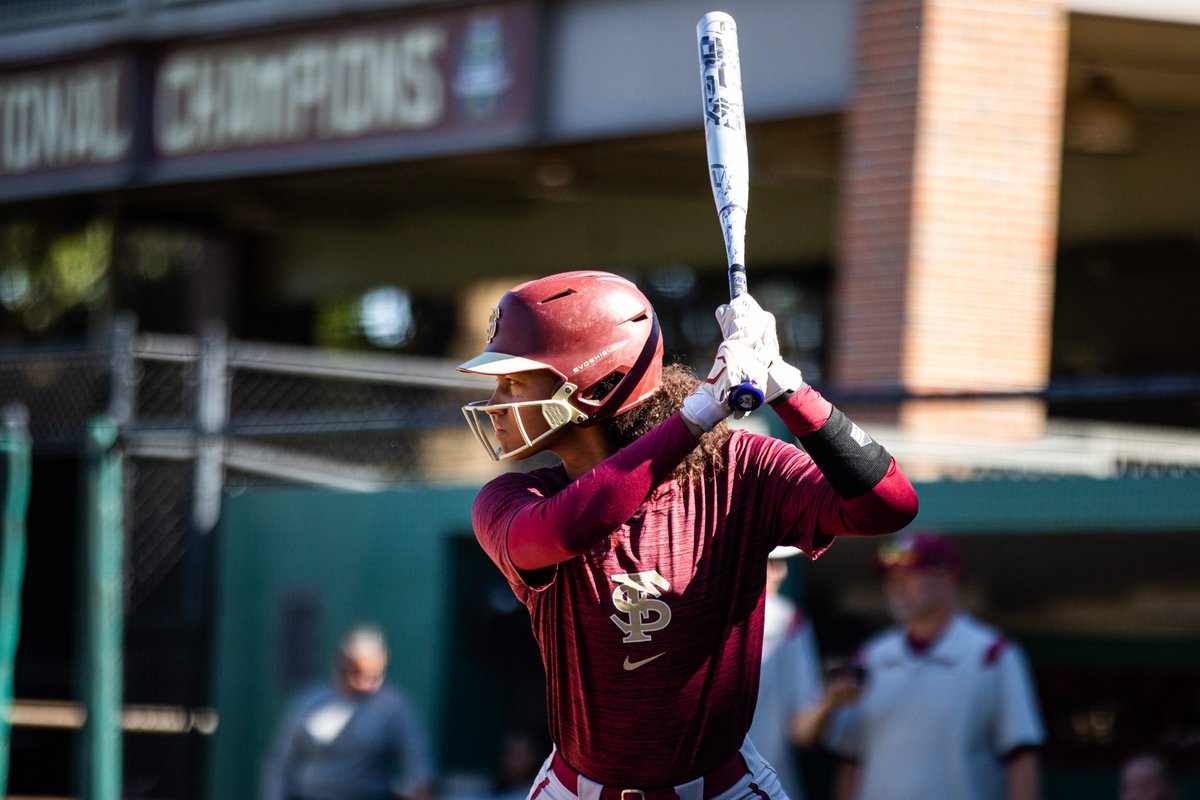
(651, 640)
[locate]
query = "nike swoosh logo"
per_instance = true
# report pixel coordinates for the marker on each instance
(632, 665)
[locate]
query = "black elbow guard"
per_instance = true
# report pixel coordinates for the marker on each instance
(851, 460)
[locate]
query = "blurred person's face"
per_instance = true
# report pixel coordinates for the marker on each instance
(918, 594)
(1143, 779)
(362, 673)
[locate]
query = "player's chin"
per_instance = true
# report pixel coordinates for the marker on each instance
(524, 450)
(519, 450)
(513, 449)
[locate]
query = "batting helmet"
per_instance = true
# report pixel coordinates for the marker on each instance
(594, 330)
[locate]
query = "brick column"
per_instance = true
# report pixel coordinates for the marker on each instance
(948, 210)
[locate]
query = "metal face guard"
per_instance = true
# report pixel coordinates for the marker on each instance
(556, 411)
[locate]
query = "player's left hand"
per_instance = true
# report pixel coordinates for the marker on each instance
(736, 362)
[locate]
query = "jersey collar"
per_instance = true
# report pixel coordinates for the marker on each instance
(950, 648)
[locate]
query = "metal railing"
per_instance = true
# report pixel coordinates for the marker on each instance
(200, 414)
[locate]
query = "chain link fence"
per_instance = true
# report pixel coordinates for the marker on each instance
(61, 387)
(265, 413)
(199, 416)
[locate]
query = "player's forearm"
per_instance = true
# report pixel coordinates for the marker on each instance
(870, 492)
(596, 503)
(850, 460)
(803, 411)
(888, 506)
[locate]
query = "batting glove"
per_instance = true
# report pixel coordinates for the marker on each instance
(743, 319)
(735, 363)
(782, 378)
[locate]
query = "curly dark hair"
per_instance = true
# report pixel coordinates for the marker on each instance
(678, 383)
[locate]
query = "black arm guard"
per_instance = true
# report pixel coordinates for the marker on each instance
(851, 460)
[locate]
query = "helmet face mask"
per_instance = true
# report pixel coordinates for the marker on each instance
(556, 411)
(595, 331)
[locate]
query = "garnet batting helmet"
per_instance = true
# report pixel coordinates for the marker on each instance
(594, 330)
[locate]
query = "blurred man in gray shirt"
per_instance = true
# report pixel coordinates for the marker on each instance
(353, 739)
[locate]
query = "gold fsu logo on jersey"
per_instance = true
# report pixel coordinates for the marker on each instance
(637, 596)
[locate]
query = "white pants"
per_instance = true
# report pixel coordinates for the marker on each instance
(759, 783)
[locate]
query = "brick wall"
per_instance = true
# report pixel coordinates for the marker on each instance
(948, 211)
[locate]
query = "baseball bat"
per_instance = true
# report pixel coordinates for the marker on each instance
(728, 159)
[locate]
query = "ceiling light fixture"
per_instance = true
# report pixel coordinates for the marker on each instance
(1099, 121)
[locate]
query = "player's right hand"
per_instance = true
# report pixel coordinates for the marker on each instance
(736, 362)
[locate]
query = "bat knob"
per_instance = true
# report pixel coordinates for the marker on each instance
(746, 397)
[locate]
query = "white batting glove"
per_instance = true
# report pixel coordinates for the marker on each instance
(743, 319)
(782, 377)
(735, 363)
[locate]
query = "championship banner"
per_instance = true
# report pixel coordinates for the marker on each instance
(366, 91)
(66, 126)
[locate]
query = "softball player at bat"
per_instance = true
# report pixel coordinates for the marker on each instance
(642, 556)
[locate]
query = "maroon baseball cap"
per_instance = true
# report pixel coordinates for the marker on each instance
(918, 551)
